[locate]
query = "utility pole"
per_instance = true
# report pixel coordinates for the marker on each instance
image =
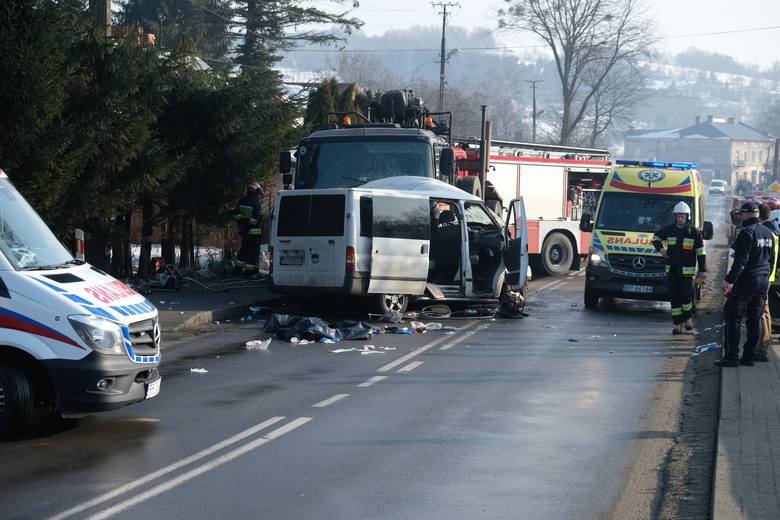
(533, 83)
(443, 57)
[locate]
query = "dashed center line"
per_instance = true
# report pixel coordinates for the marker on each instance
(464, 337)
(330, 400)
(199, 470)
(411, 366)
(403, 359)
(371, 380)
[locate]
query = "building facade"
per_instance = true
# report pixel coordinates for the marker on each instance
(723, 148)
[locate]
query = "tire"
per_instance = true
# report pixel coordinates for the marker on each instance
(470, 185)
(17, 403)
(557, 254)
(392, 303)
(495, 206)
(591, 298)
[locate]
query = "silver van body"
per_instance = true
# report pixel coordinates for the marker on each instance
(395, 239)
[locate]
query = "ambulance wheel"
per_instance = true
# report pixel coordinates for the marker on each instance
(17, 404)
(557, 254)
(392, 303)
(591, 298)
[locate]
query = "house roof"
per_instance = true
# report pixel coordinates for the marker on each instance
(735, 131)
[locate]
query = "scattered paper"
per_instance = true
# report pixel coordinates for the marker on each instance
(198, 371)
(340, 350)
(258, 344)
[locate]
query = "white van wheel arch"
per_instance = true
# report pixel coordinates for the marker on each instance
(392, 302)
(17, 405)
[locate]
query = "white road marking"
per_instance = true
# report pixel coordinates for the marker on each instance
(403, 359)
(167, 469)
(215, 463)
(461, 339)
(411, 366)
(581, 273)
(330, 400)
(371, 381)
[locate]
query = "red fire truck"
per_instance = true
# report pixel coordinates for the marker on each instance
(558, 183)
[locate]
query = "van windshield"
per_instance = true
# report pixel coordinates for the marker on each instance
(346, 164)
(25, 240)
(637, 211)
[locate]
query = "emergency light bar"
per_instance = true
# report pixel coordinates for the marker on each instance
(656, 164)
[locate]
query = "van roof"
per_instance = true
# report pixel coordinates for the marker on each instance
(643, 179)
(422, 186)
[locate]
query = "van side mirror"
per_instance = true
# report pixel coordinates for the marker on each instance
(586, 222)
(287, 179)
(285, 162)
(707, 231)
(447, 165)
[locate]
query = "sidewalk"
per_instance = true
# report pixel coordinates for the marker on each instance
(748, 458)
(192, 308)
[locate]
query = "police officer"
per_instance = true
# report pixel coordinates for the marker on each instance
(249, 220)
(762, 351)
(746, 286)
(682, 245)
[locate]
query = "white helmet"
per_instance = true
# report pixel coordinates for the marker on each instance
(682, 207)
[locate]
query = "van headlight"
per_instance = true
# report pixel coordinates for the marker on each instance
(597, 256)
(98, 333)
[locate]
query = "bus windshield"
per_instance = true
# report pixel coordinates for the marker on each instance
(347, 164)
(637, 211)
(25, 240)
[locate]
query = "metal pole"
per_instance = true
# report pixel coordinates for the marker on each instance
(776, 166)
(483, 147)
(443, 55)
(533, 83)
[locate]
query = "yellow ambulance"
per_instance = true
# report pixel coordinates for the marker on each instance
(637, 201)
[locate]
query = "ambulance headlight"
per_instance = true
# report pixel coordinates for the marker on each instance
(100, 334)
(597, 256)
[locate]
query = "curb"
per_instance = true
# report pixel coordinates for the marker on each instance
(726, 503)
(224, 313)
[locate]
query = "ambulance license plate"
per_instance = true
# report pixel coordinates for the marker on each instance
(638, 288)
(153, 388)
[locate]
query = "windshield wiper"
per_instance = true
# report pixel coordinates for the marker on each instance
(72, 261)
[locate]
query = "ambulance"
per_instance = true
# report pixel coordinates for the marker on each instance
(637, 201)
(73, 340)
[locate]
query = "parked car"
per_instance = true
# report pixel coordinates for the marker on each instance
(718, 187)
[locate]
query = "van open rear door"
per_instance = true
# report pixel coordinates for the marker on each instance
(400, 244)
(516, 253)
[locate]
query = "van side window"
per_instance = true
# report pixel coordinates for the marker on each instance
(311, 215)
(366, 216)
(401, 218)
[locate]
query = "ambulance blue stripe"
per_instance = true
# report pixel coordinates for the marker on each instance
(78, 299)
(100, 312)
(120, 311)
(50, 286)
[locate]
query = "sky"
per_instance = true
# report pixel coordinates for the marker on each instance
(674, 19)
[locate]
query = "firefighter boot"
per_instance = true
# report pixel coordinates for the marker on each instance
(689, 324)
(678, 329)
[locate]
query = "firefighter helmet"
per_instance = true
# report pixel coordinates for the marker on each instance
(682, 207)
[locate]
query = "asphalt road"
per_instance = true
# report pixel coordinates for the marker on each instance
(531, 418)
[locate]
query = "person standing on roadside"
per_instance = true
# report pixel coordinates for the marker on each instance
(746, 287)
(250, 228)
(682, 245)
(762, 351)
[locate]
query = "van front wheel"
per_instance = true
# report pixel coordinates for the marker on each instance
(392, 303)
(17, 405)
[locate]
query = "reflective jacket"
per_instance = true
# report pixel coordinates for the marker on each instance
(754, 251)
(684, 249)
(248, 215)
(772, 226)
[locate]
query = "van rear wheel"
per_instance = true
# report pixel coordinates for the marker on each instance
(392, 303)
(17, 405)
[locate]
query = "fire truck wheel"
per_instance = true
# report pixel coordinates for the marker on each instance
(557, 254)
(591, 298)
(470, 185)
(392, 303)
(17, 405)
(494, 205)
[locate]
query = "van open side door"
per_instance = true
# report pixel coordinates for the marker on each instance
(401, 231)
(516, 253)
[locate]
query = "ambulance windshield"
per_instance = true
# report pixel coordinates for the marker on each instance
(637, 211)
(25, 240)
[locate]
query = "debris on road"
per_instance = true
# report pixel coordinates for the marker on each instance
(340, 350)
(701, 349)
(198, 371)
(573, 340)
(258, 344)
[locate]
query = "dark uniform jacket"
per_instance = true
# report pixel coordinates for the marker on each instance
(684, 247)
(754, 251)
(248, 215)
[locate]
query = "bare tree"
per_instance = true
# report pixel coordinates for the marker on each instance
(585, 37)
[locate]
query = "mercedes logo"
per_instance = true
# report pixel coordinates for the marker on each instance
(639, 263)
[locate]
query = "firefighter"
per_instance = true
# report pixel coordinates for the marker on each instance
(762, 352)
(746, 287)
(682, 245)
(250, 222)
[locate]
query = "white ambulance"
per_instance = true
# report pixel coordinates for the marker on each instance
(72, 339)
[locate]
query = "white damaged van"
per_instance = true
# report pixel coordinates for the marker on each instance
(72, 338)
(397, 239)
